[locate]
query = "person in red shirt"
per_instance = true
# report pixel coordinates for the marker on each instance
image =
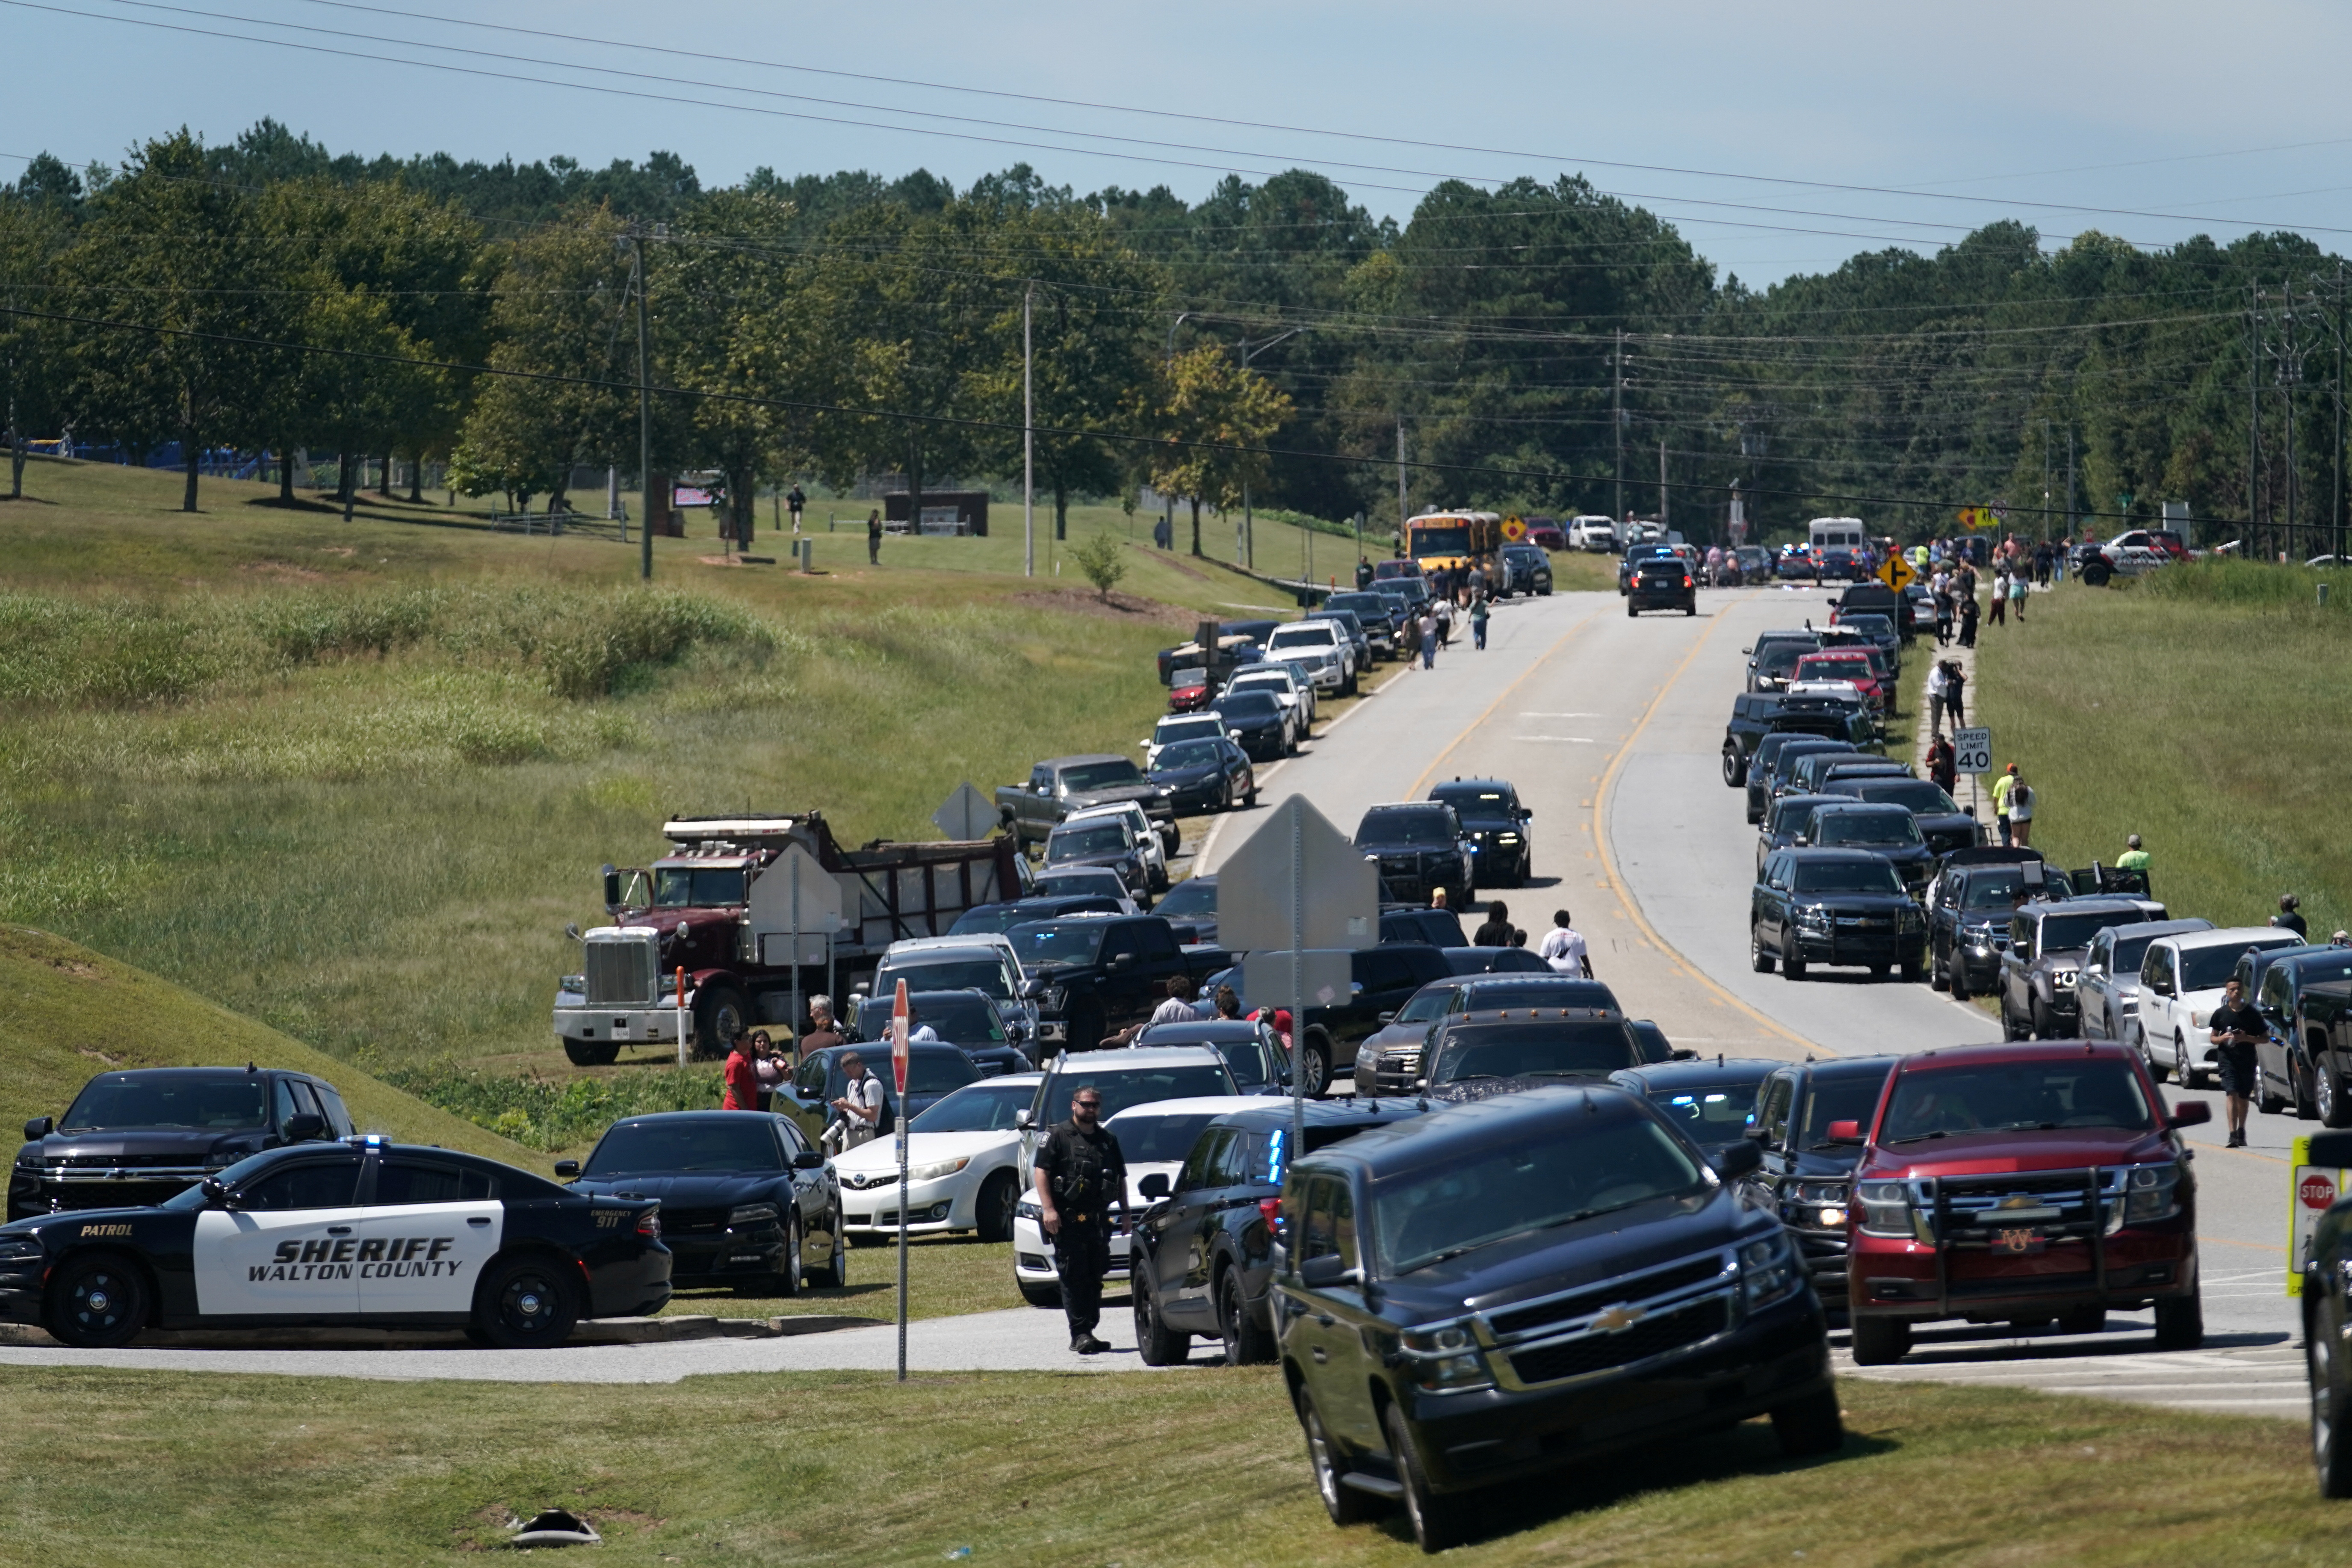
(742, 1078)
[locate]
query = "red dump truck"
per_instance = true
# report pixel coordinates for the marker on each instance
(730, 905)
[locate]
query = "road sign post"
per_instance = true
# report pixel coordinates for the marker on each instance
(899, 1072)
(2319, 1172)
(1972, 755)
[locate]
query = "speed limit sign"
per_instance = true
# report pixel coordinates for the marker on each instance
(1972, 750)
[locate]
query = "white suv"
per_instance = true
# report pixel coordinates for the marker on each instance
(1598, 534)
(2180, 980)
(1147, 837)
(1323, 647)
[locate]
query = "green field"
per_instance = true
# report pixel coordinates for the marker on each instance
(2204, 709)
(1203, 1465)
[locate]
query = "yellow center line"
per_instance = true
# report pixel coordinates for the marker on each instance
(1617, 884)
(1533, 667)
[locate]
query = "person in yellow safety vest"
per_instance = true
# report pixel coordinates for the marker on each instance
(1919, 559)
(2000, 788)
(2134, 858)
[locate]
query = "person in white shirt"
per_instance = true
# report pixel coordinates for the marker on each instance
(1178, 1009)
(1564, 948)
(1938, 684)
(859, 1111)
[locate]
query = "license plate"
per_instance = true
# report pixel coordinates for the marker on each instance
(2019, 1242)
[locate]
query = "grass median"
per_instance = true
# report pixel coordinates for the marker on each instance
(1200, 1465)
(2202, 708)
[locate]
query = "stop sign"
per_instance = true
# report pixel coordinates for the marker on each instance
(2318, 1190)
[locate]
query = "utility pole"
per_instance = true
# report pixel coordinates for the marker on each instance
(1663, 510)
(1028, 443)
(2336, 508)
(2253, 423)
(1401, 514)
(1169, 500)
(1617, 417)
(2070, 480)
(645, 425)
(1249, 520)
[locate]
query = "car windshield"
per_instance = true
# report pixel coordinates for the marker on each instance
(1589, 1047)
(982, 974)
(697, 887)
(937, 1071)
(1791, 812)
(1784, 766)
(1276, 681)
(1043, 943)
(1361, 604)
(202, 1104)
(1423, 1218)
(1188, 678)
(987, 919)
(1405, 826)
(1870, 626)
(686, 1144)
(1425, 1005)
(1077, 843)
(1123, 1086)
(1109, 774)
(1865, 827)
(977, 1108)
(1779, 660)
(1193, 896)
(1159, 1139)
(1441, 539)
(1469, 800)
(1834, 667)
(2076, 931)
(1848, 876)
(1076, 880)
(1558, 991)
(2017, 1098)
(2128, 951)
(1999, 890)
(1190, 754)
(1922, 796)
(2205, 968)
(964, 1020)
(1842, 1098)
(1252, 705)
(1317, 634)
(1710, 1118)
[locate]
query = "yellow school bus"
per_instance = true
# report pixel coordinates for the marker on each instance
(1448, 540)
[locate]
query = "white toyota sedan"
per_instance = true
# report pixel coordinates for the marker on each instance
(963, 1166)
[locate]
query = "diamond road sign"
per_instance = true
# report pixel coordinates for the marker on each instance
(968, 816)
(1297, 882)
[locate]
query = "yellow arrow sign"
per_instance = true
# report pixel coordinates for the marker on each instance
(1897, 574)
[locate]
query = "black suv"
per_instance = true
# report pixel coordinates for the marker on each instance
(2044, 955)
(1807, 1177)
(2293, 1060)
(1662, 583)
(1833, 906)
(1775, 756)
(1092, 973)
(1942, 823)
(1202, 1259)
(1437, 927)
(1484, 1051)
(1388, 1060)
(1968, 905)
(1787, 822)
(1624, 1293)
(1712, 1103)
(1884, 830)
(1379, 615)
(132, 1138)
(1421, 847)
(1758, 716)
(1496, 826)
(1527, 569)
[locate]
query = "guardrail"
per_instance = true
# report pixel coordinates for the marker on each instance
(561, 523)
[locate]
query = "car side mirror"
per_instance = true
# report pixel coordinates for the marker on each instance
(1154, 1186)
(809, 1159)
(2190, 1113)
(215, 1194)
(1845, 1132)
(567, 1169)
(1325, 1272)
(1737, 1160)
(1684, 1054)
(301, 1128)
(37, 1129)
(1020, 1119)
(1386, 1017)
(1120, 961)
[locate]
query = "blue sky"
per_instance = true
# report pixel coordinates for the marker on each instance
(2180, 118)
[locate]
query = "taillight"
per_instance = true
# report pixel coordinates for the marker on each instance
(1686, 581)
(1270, 1210)
(649, 1224)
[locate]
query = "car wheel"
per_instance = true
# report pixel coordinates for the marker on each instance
(2266, 1100)
(1631, 613)
(1913, 971)
(1155, 1341)
(590, 1053)
(1880, 1341)
(1878, 972)
(1792, 966)
(788, 1281)
(1691, 608)
(834, 1275)
(1250, 799)
(1758, 958)
(1344, 1503)
(97, 1301)
(2335, 1105)
(525, 1303)
(1809, 1426)
(1246, 1344)
(2331, 1399)
(2180, 1321)
(1314, 1064)
(2042, 1028)
(2186, 1076)
(1956, 977)
(998, 1195)
(2306, 1102)
(1040, 1295)
(1437, 1521)
(2011, 1030)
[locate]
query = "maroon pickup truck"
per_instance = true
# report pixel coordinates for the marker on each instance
(2020, 1184)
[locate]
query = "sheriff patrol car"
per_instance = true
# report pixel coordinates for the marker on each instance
(356, 1232)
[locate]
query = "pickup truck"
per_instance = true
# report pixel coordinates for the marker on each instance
(1088, 975)
(1062, 785)
(1237, 643)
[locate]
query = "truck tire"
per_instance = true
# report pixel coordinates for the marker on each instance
(2331, 1398)
(722, 1012)
(1156, 1344)
(2180, 1321)
(590, 1053)
(1438, 1521)
(1880, 1341)
(2090, 1319)
(2335, 1103)
(1344, 1503)
(1758, 958)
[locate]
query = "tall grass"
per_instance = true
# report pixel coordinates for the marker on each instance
(545, 1113)
(2203, 707)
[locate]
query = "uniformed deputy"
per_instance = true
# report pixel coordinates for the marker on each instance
(1080, 1173)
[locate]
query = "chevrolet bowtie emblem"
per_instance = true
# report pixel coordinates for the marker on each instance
(2021, 1202)
(1617, 1319)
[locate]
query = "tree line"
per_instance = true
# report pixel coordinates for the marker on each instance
(1540, 346)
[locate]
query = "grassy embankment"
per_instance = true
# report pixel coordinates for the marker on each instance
(2202, 708)
(352, 779)
(123, 1468)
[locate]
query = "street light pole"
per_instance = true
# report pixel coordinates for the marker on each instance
(1167, 500)
(644, 427)
(1249, 521)
(1028, 446)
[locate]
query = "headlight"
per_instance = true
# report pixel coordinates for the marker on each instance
(2151, 1192)
(1445, 1360)
(1768, 1269)
(2197, 1019)
(1027, 1209)
(1817, 1206)
(751, 1213)
(2128, 1003)
(2064, 978)
(932, 1173)
(1885, 1208)
(1813, 919)
(1909, 919)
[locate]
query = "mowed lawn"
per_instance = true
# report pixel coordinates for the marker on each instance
(352, 778)
(2204, 709)
(1200, 1465)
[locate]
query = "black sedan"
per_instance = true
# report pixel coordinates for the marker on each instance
(1833, 906)
(1256, 722)
(745, 1201)
(1500, 1290)
(1206, 774)
(1497, 825)
(357, 1232)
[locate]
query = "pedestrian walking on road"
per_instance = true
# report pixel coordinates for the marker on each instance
(1564, 950)
(2287, 918)
(1444, 611)
(1943, 612)
(2000, 614)
(2237, 1027)
(1427, 628)
(1938, 683)
(2134, 858)
(1478, 623)
(795, 503)
(1080, 1173)
(2020, 810)
(874, 538)
(1967, 620)
(2000, 788)
(1956, 693)
(1497, 931)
